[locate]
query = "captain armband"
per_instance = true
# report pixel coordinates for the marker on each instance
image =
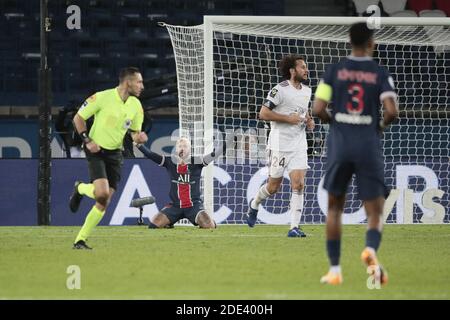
(324, 92)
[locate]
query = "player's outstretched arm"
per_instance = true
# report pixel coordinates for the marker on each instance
(208, 158)
(157, 158)
(218, 150)
(139, 137)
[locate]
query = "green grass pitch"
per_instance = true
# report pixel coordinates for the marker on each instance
(231, 262)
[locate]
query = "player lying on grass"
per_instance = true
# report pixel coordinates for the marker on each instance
(185, 173)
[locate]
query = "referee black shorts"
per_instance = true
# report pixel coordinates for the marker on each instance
(105, 164)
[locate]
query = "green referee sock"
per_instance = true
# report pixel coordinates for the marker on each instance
(93, 218)
(86, 189)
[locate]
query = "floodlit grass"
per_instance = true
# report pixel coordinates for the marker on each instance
(231, 262)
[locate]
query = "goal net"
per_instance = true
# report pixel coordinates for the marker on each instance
(227, 66)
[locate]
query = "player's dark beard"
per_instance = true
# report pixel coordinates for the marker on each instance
(299, 78)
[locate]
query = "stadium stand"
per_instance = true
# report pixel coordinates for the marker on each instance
(404, 13)
(443, 5)
(432, 13)
(361, 5)
(392, 6)
(113, 34)
(419, 5)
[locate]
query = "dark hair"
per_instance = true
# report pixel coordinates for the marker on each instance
(360, 34)
(287, 63)
(126, 72)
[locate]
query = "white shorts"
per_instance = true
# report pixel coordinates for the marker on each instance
(281, 160)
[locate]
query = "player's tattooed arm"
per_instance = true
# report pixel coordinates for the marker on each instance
(157, 158)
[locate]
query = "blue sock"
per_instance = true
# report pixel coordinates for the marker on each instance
(373, 238)
(334, 251)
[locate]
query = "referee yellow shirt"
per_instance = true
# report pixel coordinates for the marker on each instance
(112, 117)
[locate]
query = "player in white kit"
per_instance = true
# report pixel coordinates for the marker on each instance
(287, 109)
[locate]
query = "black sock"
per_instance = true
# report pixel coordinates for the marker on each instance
(373, 238)
(334, 251)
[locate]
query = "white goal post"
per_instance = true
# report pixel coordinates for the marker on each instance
(226, 67)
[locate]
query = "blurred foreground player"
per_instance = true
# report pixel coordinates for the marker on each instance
(356, 85)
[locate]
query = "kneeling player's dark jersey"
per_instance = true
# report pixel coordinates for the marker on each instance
(185, 178)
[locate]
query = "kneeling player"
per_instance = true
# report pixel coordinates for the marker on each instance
(185, 177)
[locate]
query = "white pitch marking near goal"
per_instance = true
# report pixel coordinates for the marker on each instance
(226, 67)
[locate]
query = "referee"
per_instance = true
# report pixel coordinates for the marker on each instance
(115, 112)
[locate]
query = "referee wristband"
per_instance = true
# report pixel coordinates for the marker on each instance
(84, 136)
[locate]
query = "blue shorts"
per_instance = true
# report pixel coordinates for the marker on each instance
(369, 176)
(175, 214)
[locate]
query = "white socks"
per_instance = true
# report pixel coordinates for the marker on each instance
(335, 269)
(260, 196)
(296, 204)
(296, 208)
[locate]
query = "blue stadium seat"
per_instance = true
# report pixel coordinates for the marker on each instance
(154, 18)
(188, 18)
(137, 34)
(152, 73)
(77, 35)
(117, 49)
(133, 20)
(269, 8)
(9, 5)
(156, 7)
(105, 5)
(76, 84)
(144, 46)
(109, 34)
(125, 7)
